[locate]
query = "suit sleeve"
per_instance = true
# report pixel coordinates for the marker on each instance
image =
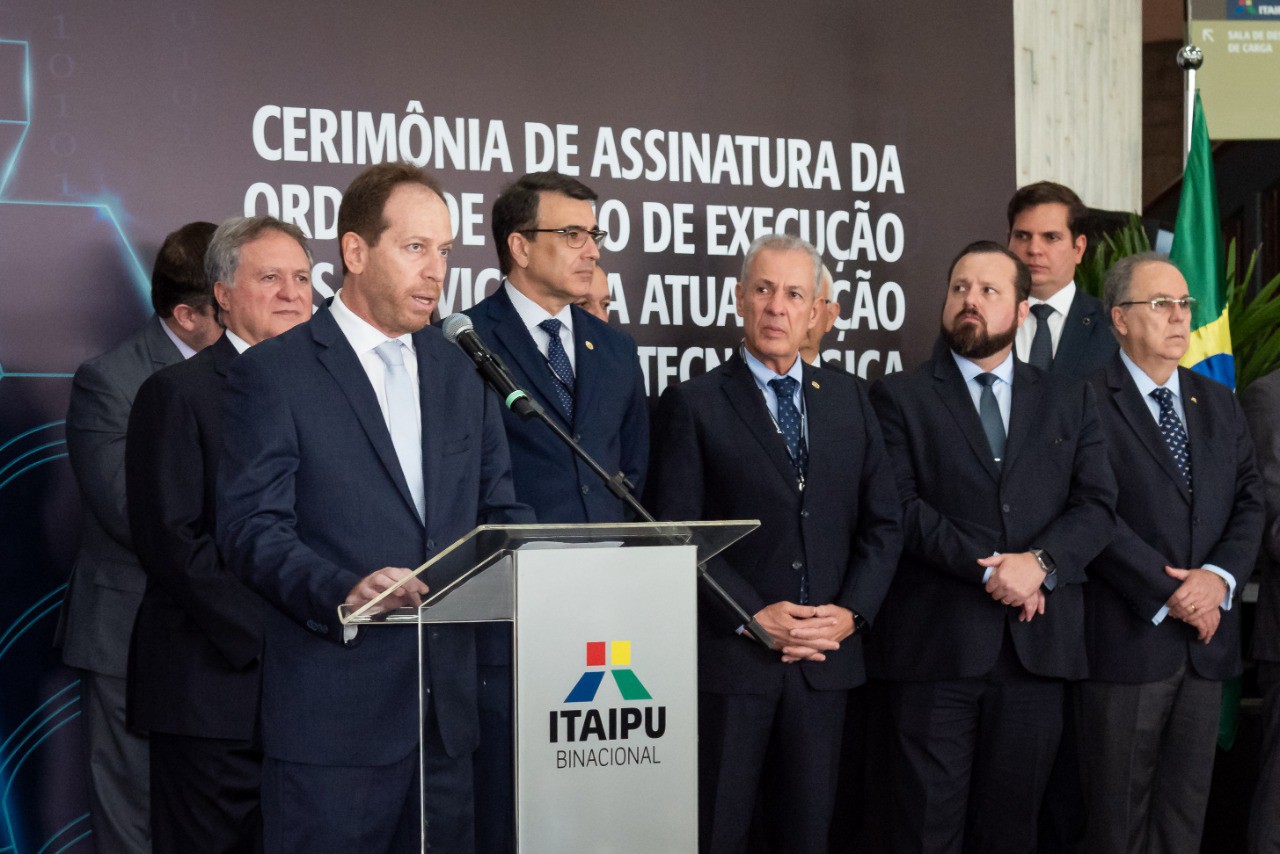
(257, 519)
(1079, 533)
(677, 484)
(878, 538)
(1237, 549)
(97, 418)
(952, 547)
(635, 428)
(1261, 403)
(164, 463)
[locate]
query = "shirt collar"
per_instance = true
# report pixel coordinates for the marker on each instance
(531, 313)
(183, 347)
(1061, 301)
(762, 374)
(236, 341)
(969, 370)
(1145, 384)
(360, 333)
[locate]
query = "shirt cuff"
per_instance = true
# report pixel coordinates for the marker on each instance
(1160, 615)
(1228, 578)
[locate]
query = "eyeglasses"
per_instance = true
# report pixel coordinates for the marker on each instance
(1164, 305)
(575, 237)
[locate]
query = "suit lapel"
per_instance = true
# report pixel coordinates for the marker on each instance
(514, 339)
(160, 347)
(950, 385)
(1201, 450)
(341, 362)
(586, 365)
(822, 415)
(1138, 415)
(433, 390)
(747, 401)
(1025, 403)
(1077, 327)
(224, 352)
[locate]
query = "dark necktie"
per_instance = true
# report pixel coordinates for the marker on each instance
(1174, 434)
(789, 423)
(402, 421)
(989, 412)
(558, 360)
(1041, 355)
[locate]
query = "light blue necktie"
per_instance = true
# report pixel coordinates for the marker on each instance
(402, 420)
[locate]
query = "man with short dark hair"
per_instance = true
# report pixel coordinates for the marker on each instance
(1161, 609)
(1006, 497)
(358, 446)
(194, 669)
(587, 376)
(107, 582)
(766, 436)
(1066, 330)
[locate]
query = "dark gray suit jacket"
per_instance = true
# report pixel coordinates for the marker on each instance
(1087, 342)
(107, 583)
(1261, 402)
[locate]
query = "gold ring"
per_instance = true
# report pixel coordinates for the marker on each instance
(1004, 601)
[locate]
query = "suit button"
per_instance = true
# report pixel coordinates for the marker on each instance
(431, 545)
(797, 565)
(577, 437)
(804, 514)
(585, 489)
(1005, 508)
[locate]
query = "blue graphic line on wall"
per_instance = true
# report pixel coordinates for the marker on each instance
(25, 433)
(26, 120)
(84, 819)
(25, 620)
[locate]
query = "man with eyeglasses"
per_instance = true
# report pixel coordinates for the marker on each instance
(1162, 616)
(587, 376)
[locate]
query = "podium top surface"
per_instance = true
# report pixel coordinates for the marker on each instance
(487, 544)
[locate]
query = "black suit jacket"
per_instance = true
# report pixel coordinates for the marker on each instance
(1261, 403)
(194, 661)
(1087, 342)
(1055, 491)
(718, 455)
(1162, 523)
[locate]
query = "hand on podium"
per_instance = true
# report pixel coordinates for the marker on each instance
(373, 584)
(806, 632)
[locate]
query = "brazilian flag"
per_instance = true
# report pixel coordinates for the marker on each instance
(1197, 252)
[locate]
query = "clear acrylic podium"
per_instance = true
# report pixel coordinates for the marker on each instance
(605, 671)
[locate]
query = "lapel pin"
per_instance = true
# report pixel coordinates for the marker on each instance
(814, 383)
(1193, 400)
(590, 346)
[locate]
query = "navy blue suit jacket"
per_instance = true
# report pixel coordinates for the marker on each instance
(719, 456)
(1087, 342)
(1054, 491)
(610, 418)
(1163, 523)
(311, 498)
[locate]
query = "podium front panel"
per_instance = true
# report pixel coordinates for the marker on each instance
(606, 699)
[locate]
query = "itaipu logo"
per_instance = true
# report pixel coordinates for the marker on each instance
(586, 721)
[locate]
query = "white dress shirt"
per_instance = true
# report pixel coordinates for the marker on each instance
(1061, 304)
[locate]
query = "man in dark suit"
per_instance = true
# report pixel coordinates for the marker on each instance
(765, 436)
(1066, 331)
(1006, 495)
(1261, 403)
(194, 673)
(358, 446)
(587, 376)
(1162, 630)
(107, 582)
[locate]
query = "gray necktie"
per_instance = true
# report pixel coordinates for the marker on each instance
(989, 412)
(1041, 355)
(402, 420)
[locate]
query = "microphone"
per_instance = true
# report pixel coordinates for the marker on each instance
(458, 329)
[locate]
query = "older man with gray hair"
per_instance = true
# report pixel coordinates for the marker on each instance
(1162, 622)
(194, 672)
(766, 436)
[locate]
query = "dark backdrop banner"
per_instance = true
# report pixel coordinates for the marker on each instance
(882, 132)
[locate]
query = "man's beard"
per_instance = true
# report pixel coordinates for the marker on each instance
(972, 341)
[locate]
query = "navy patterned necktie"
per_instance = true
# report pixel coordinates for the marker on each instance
(558, 360)
(989, 413)
(1041, 355)
(789, 423)
(1175, 436)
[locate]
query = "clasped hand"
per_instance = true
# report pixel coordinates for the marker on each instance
(1015, 581)
(805, 632)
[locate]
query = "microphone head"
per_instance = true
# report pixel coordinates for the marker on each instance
(455, 325)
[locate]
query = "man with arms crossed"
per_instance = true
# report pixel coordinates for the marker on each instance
(194, 670)
(1006, 496)
(766, 436)
(359, 445)
(1162, 609)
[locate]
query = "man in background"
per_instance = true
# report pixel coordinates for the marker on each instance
(597, 300)
(828, 313)
(107, 583)
(195, 674)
